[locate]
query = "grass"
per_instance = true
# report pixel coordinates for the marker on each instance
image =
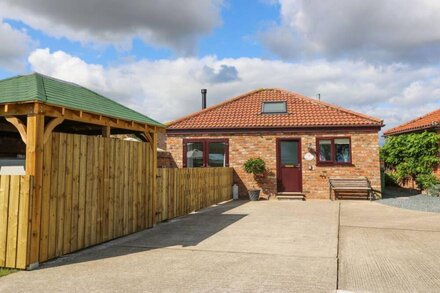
(5, 272)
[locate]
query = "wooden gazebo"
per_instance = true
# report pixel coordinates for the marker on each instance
(81, 185)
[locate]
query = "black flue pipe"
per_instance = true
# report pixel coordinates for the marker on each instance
(204, 91)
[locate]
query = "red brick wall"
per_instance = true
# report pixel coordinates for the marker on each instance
(165, 160)
(365, 158)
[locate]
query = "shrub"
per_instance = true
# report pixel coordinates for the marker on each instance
(425, 181)
(254, 166)
(412, 155)
(434, 190)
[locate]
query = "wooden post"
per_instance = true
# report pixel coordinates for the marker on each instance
(106, 131)
(155, 195)
(34, 167)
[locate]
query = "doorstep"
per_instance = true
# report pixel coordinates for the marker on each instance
(290, 196)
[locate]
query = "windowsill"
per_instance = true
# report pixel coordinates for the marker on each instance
(332, 164)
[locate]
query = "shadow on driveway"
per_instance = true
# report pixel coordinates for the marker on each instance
(185, 231)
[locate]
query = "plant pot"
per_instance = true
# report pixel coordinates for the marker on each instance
(254, 194)
(259, 175)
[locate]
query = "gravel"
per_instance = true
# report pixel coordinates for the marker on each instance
(420, 202)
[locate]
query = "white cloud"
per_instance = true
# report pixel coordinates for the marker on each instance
(162, 23)
(14, 48)
(373, 30)
(168, 89)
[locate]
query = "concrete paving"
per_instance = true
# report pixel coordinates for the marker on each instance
(285, 246)
(388, 249)
(236, 247)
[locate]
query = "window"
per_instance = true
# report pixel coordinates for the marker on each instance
(333, 150)
(194, 154)
(274, 107)
(205, 153)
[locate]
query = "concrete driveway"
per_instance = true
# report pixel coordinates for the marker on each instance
(284, 246)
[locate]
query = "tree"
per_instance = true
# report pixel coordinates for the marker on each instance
(412, 155)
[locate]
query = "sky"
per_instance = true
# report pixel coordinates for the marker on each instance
(380, 58)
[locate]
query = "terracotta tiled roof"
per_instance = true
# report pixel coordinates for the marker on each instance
(244, 111)
(428, 121)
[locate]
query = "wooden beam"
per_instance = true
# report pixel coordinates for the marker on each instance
(90, 118)
(34, 167)
(16, 109)
(154, 146)
(106, 131)
(148, 137)
(20, 127)
(73, 115)
(141, 136)
(51, 126)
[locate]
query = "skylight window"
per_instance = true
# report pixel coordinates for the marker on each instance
(274, 107)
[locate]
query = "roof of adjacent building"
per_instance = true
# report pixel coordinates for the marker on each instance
(425, 122)
(245, 111)
(36, 87)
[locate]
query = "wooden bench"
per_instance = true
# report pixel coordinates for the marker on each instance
(350, 188)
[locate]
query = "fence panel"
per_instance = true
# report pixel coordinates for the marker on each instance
(95, 189)
(182, 191)
(14, 220)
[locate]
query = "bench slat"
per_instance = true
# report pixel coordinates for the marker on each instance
(342, 186)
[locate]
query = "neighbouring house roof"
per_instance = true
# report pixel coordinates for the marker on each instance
(425, 122)
(245, 110)
(36, 87)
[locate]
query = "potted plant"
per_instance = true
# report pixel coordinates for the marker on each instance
(257, 167)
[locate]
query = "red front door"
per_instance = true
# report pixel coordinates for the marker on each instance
(289, 178)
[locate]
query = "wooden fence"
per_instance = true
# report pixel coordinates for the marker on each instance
(94, 189)
(14, 220)
(182, 191)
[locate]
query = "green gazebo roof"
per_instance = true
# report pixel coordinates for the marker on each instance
(36, 87)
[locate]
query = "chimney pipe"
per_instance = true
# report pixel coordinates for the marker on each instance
(204, 91)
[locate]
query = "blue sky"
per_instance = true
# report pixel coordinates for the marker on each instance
(155, 56)
(233, 39)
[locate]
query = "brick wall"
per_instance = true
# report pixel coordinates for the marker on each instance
(165, 160)
(365, 159)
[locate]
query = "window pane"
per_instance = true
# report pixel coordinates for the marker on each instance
(325, 150)
(289, 152)
(194, 154)
(342, 146)
(217, 156)
(274, 107)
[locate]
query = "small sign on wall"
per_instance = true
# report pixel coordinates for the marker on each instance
(309, 156)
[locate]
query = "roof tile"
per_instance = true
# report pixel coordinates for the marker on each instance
(244, 111)
(427, 121)
(38, 87)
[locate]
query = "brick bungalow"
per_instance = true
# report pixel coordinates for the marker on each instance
(302, 140)
(427, 122)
